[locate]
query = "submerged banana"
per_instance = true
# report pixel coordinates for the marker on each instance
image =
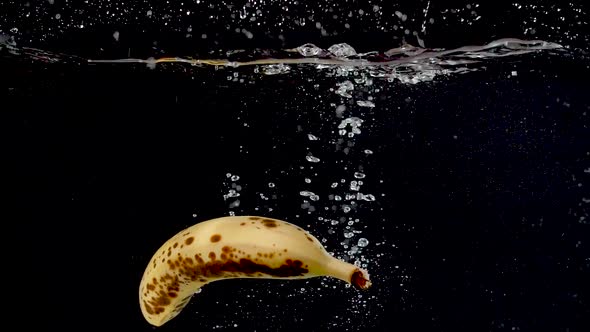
(234, 247)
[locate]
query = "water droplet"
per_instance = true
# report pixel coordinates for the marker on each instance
(235, 178)
(271, 185)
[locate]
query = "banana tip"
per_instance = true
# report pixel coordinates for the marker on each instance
(360, 279)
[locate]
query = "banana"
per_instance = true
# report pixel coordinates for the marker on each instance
(234, 247)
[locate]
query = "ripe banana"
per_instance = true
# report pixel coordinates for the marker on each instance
(234, 247)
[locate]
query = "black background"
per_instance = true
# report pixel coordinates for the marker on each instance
(110, 161)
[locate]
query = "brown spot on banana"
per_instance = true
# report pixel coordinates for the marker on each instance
(269, 223)
(280, 250)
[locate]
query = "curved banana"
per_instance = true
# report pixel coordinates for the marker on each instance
(234, 247)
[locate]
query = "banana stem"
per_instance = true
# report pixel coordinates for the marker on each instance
(350, 273)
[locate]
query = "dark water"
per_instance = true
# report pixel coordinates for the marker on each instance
(474, 197)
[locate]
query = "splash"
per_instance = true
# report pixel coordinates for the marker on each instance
(345, 55)
(408, 64)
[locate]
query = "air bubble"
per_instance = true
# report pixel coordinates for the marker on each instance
(275, 69)
(309, 194)
(312, 159)
(344, 88)
(309, 50)
(342, 50)
(363, 242)
(365, 103)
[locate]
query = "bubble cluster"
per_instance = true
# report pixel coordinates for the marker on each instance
(233, 192)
